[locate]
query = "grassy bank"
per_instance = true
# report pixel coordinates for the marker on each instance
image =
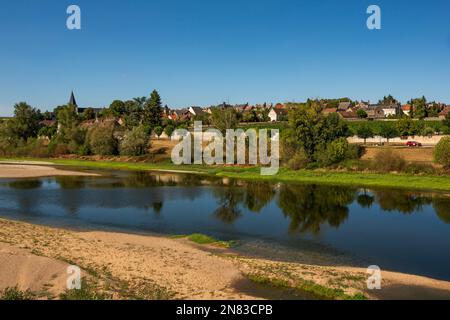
(362, 179)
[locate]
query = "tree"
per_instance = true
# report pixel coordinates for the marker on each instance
(117, 108)
(388, 131)
(361, 114)
(88, 114)
(133, 113)
(388, 100)
(419, 105)
(169, 129)
(224, 119)
(446, 121)
(25, 123)
(364, 132)
(158, 130)
(102, 141)
(135, 142)
(309, 129)
(442, 152)
(405, 127)
(153, 110)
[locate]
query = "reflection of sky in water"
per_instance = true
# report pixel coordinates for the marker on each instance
(394, 229)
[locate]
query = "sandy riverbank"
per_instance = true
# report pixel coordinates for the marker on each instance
(35, 170)
(150, 267)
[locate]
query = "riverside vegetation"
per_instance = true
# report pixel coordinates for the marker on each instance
(314, 146)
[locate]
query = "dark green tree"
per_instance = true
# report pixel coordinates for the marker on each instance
(364, 132)
(25, 123)
(153, 110)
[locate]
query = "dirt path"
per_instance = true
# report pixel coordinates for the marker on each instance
(152, 267)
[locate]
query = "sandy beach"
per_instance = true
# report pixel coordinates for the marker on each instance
(35, 170)
(155, 267)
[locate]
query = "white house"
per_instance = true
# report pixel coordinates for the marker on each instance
(276, 115)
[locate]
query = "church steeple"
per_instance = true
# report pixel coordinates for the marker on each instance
(72, 100)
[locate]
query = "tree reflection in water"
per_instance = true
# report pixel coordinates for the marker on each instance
(310, 206)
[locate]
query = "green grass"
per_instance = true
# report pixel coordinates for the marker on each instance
(205, 240)
(15, 294)
(409, 181)
(87, 292)
(306, 286)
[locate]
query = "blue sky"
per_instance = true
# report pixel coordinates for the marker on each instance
(203, 52)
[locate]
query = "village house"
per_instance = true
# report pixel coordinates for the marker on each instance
(276, 115)
(444, 113)
(196, 111)
(406, 109)
(375, 111)
(344, 106)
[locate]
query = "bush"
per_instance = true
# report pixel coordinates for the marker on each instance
(102, 141)
(298, 161)
(387, 161)
(333, 153)
(442, 152)
(15, 294)
(135, 142)
(355, 151)
(169, 130)
(420, 168)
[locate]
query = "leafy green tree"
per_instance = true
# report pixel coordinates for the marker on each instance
(135, 142)
(224, 119)
(388, 131)
(365, 132)
(446, 122)
(117, 108)
(388, 100)
(158, 130)
(169, 129)
(153, 110)
(333, 152)
(102, 141)
(361, 114)
(405, 127)
(310, 129)
(442, 152)
(25, 123)
(133, 113)
(88, 114)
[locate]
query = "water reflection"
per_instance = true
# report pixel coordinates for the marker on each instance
(386, 223)
(309, 207)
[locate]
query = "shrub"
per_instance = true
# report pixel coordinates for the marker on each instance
(298, 161)
(332, 153)
(158, 130)
(102, 141)
(355, 151)
(442, 152)
(387, 161)
(135, 142)
(169, 130)
(15, 294)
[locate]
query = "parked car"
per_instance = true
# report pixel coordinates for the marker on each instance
(413, 144)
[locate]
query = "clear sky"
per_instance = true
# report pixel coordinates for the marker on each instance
(203, 52)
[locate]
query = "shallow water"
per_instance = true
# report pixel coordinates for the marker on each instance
(405, 231)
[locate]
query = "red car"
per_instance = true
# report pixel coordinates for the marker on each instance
(413, 144)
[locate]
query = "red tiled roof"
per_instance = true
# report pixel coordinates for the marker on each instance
(406, 107)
